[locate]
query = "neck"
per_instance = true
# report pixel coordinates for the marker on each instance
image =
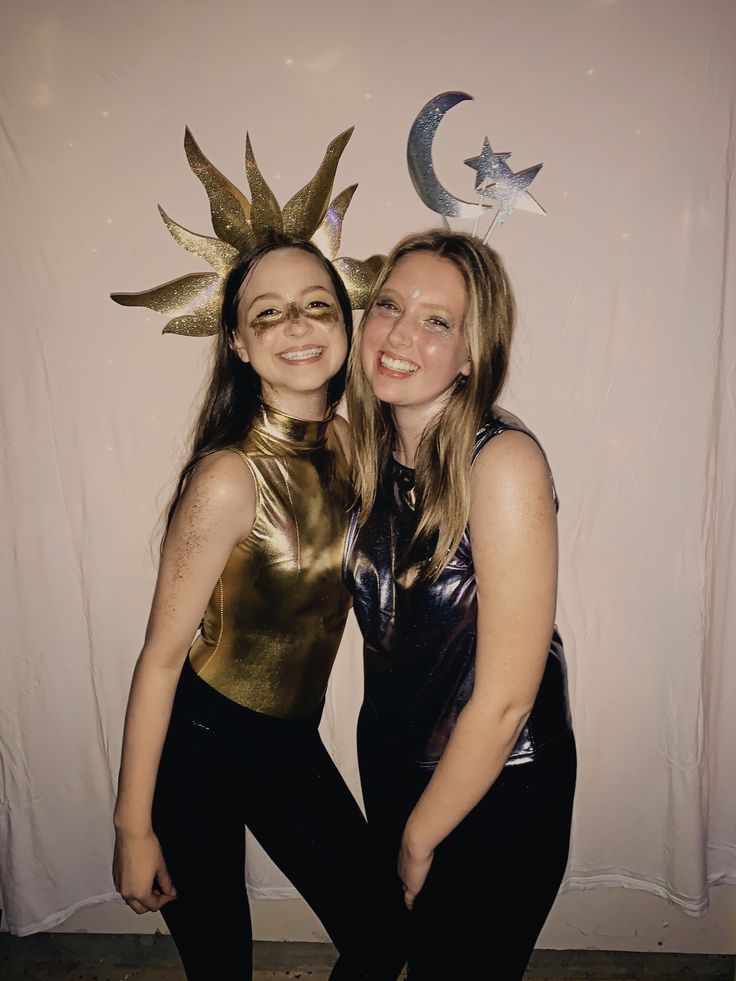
(309, 406)
(410, 422)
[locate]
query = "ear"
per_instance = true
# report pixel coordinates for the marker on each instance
(465, 370)
(236, 343)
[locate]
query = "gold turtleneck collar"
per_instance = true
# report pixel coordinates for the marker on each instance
(304, 434)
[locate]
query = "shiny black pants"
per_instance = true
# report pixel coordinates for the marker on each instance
(223, 767)
(495, 877)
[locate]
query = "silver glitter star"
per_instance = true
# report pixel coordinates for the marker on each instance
(496, 180)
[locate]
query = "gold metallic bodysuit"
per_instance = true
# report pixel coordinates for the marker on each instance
(274, 621)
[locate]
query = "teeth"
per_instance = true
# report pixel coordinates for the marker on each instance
(394, 364)
(311, 352)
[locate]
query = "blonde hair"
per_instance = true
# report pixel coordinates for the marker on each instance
(444, 455)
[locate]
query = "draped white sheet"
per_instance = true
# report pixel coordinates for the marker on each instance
(624, 365)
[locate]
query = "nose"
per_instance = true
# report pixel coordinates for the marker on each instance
(297, 324)
(400, 334)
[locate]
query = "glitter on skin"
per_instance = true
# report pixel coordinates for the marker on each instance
(293, 312)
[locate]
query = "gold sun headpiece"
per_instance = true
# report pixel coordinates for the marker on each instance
(240, 225)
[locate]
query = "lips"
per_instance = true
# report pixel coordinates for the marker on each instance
(394, 366)
(302, 355)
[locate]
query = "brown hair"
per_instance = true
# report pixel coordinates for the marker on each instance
(233, 390)
(444, 454)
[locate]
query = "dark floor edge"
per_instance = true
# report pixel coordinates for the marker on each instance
(157, 950)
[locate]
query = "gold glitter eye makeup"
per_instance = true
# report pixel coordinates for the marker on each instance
(266, 321)
(324, 314)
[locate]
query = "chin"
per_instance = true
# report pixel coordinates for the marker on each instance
(303, 380)
(389, 390)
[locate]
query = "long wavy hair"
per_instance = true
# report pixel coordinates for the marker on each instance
(233, 391)
(444, 455)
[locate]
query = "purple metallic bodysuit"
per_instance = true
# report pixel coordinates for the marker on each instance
(420, 636)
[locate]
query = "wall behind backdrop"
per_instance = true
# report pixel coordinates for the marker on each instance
(624, 365)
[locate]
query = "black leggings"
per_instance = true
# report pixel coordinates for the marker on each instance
(494, 878)
(224, 766)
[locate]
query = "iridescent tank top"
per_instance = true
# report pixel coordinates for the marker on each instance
(420, 636)
(274, 621)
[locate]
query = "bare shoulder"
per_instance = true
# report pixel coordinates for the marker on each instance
(221, 492)
(223, 477)
(342, 429)
(511, 464)
(215, 512)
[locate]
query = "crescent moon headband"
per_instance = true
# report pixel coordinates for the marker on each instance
(194, 300)
(495, 183)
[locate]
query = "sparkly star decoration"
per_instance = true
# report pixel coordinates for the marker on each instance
(496, 180)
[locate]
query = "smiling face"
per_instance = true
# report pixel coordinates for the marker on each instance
(290, 326)
(412, 343)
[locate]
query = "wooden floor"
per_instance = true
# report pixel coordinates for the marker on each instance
(117, 957)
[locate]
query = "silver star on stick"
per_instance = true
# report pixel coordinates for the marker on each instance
(496, 180)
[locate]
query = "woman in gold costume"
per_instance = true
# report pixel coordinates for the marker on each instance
(223, 733)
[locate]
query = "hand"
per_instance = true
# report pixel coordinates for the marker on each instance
(139, 872)
(413, 868)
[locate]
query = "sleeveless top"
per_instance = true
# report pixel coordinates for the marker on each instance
(274, 621)
(420, 636)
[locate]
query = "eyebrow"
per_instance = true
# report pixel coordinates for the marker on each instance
(277, 296)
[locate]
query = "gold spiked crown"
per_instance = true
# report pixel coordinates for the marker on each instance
(194, 300)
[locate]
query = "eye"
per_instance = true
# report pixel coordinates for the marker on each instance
(322, 311)
(383, 303)
(266, 319)
(439, 323)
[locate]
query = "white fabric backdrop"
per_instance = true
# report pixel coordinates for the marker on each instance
(624, 365)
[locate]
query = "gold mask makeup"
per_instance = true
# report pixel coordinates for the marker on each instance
(292, 313)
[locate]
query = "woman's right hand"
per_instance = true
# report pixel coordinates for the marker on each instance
(139, 872)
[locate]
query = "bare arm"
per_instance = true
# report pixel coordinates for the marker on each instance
(513, 531)
(216, 511)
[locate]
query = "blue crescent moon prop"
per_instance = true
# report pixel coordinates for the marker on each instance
(419, 158)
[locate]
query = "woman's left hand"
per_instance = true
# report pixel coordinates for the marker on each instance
(413, 869)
